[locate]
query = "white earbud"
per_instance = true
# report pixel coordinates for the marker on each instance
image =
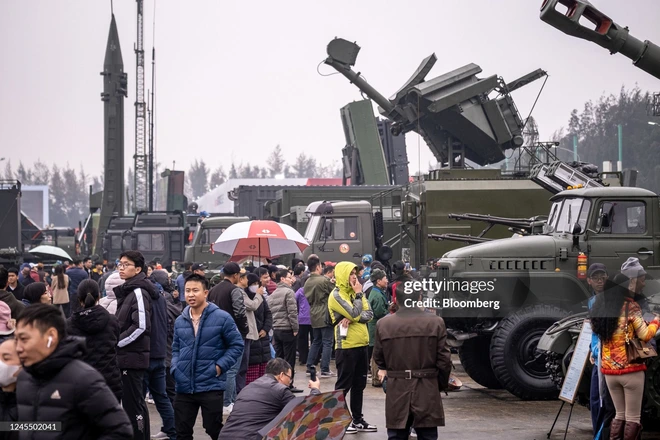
(50, 341)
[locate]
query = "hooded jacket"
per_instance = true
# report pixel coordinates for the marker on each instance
(63, 388)
(101, 332)
(134, 314)
(194, 356)
(15, 305)
(109, 302)
(344, 303)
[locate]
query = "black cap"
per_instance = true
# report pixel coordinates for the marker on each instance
(596, 267)
(198, 266)
(252, 279)
(231, 268)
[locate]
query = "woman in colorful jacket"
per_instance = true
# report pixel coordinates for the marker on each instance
(616, 317)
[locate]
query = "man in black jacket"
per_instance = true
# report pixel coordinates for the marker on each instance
(261, 401)
(154, 378)
(15, 305)
(56, 386)
(133, 349)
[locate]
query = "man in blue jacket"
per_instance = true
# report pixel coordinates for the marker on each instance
(206, 345)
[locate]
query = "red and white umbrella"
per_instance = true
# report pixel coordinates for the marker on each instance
(264, 238)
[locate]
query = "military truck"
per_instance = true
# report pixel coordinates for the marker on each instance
(534, 281)
(160, 236)
(207, 232)
(118, 230)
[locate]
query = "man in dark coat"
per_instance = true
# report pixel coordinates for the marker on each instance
(133, 349)
(55, 385)
(15, 305)
(414, 381)
(261, 401)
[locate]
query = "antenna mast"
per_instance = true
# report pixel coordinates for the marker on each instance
(141, 188)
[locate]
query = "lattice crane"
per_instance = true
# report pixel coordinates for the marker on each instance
(141, 187)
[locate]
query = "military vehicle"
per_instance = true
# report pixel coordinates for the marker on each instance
(160, 236)
(207, 232)
(535, 281)
(118, 230)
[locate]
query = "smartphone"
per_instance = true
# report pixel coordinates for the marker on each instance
(312, 373)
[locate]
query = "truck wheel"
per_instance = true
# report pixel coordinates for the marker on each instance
(513, 350)
(651, 407)
(475, 358)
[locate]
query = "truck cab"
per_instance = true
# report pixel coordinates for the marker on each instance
(160, 236)
(535, 281)
(206, 233)
(118, 230)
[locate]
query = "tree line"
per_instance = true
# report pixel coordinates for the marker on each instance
(69, 188)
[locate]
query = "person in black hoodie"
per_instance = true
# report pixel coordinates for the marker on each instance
(15, 305)
(134, 346)
(10, 366)
(101, 332)
(56, 385)
(154, 378)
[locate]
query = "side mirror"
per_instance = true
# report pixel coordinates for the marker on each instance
(605, 220)
(577, 229)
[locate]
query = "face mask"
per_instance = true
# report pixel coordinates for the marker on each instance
(7, 374)
(254, 288)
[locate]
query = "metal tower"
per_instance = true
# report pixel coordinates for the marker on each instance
(141, 187)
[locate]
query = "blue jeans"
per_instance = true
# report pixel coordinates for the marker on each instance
(230, 382)
(322, 337)
(154, 380)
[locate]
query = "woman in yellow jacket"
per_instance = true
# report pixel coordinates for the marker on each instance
(615, 317)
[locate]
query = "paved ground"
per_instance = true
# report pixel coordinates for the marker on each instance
(473, 413)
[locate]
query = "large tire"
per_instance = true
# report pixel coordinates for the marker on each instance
(475, 358)
(514, 344)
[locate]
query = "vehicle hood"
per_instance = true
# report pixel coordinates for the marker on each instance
(538, 246)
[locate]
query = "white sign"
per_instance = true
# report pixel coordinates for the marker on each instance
(578, 362)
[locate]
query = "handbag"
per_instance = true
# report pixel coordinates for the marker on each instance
(637, 351)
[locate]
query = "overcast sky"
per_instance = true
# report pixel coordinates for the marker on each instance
(234, 79)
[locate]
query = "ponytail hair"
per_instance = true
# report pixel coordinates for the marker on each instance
(88, 293)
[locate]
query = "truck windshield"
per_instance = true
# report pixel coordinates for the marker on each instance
(312, 226)
(572, 211)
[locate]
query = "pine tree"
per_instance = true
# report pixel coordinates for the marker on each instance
(276, 161)
(199, 178)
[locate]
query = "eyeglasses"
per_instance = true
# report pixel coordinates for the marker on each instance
(123, 265)
(600, 278)
(286, 375)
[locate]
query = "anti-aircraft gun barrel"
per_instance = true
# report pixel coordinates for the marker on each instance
(582, 20)
(469, 239)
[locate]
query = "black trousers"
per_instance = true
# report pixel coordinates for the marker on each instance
(422, 433)
(242, 370)
(186, 407)
(169, 385)
(133, 402)
(304, 335)
(352, 367)
(285, 347)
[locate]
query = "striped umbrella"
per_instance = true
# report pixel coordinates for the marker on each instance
(263, 238)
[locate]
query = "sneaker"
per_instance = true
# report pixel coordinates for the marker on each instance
(362, 426)
(328, 374)
(160, 436)
(149, 399)
(413, 434)
(351, 429)
(226, 410)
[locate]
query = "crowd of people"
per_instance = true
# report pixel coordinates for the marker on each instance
(89, 345)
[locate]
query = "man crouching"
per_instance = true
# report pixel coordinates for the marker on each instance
(417, 377)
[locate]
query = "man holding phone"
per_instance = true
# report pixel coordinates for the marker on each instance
(350, 312)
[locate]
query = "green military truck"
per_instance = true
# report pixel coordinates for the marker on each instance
(523, 285)
(207, 232)
(396, 224)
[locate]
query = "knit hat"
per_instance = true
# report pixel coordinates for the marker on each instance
(5, 316)
(252, 279)
(231, 268)
(632, 268)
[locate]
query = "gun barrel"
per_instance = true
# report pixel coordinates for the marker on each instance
(581, 19)
(471, 239)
